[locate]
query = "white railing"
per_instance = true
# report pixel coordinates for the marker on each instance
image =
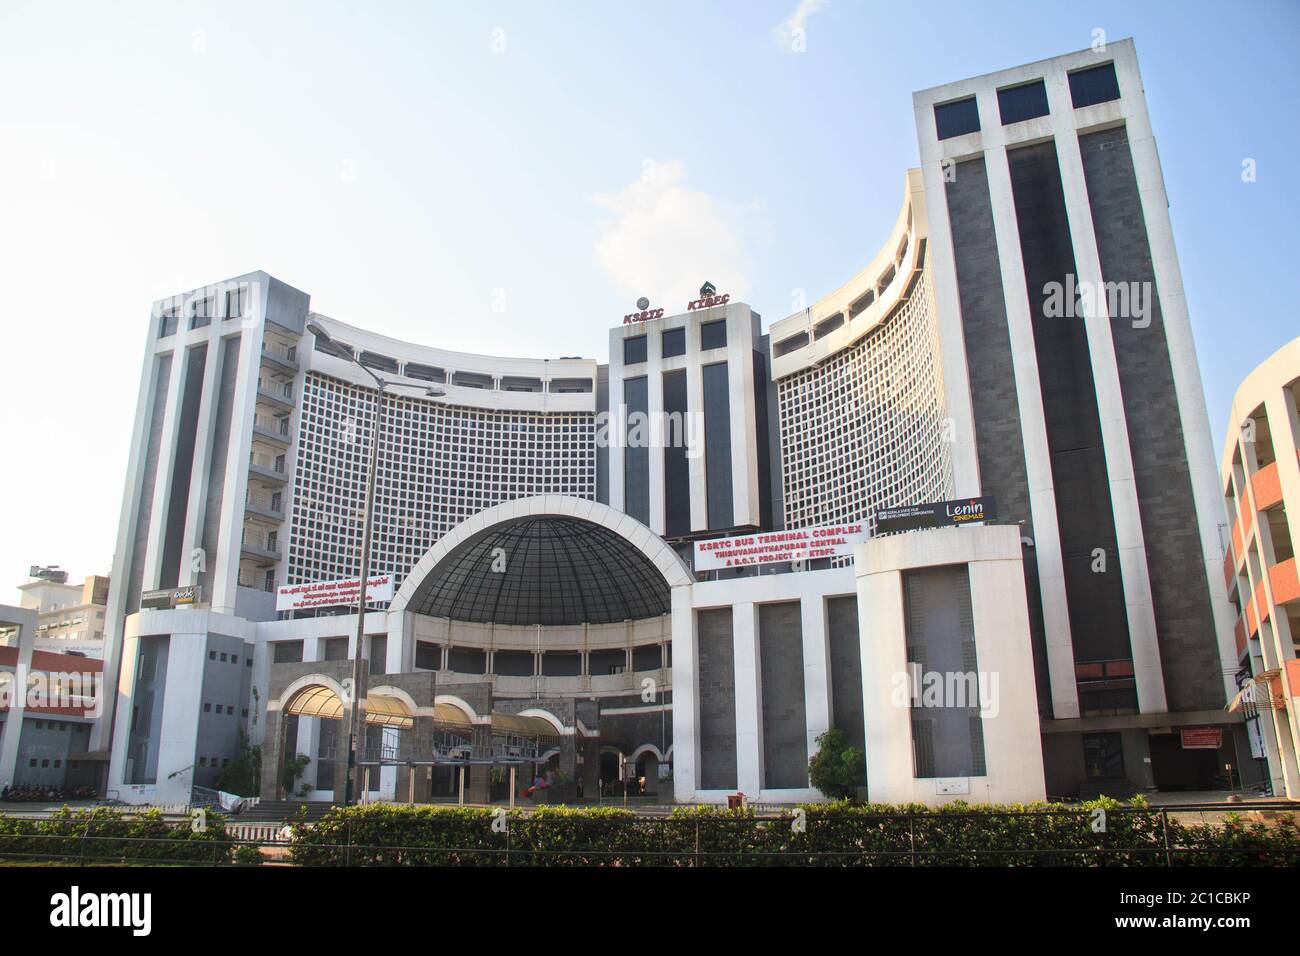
(288, 353)
(272, 387)
(276, 426)
(264, 503)
(266, 461)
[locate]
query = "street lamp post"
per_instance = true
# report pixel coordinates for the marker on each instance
(342, 351)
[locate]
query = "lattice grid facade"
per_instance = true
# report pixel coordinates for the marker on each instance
(868, 429)
(438, 465)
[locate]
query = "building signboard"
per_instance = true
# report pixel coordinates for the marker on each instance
(802, 544)
(300, 597)
(164, 599)
(1202, 738)
(935, 514)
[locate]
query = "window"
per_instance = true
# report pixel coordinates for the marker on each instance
(674, 343)
(1020, 103)
(956, 119)
(1103, 756)
(167, 324)
(1097, 84)
(634, 351)
(713, 335)
(202, 313)
(287, 651)
(234, 303)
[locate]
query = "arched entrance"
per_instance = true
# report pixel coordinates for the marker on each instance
(318, 697)
(549, 597)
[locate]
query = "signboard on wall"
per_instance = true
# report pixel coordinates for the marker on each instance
(935, 514)
(164, 599)
(1202, 738)
(301, 597)
(802, 544)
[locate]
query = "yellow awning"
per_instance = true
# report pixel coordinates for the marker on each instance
(450, 714)
(522, 726)
(323, 703)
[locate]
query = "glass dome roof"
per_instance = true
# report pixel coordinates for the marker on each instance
(558, 570)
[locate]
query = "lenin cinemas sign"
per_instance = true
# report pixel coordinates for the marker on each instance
(935, 514)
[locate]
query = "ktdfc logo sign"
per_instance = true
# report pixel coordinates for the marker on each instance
(708, 298)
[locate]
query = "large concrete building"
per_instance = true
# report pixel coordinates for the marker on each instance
(540, 521)
(1260, 474)
(69, 617)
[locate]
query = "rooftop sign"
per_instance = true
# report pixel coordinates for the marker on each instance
(935, 514)
(52, 573)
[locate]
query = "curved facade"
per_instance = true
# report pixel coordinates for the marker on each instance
(1260, 472)
(860, 388)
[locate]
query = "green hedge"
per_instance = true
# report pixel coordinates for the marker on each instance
(834, 834)
(104, 835)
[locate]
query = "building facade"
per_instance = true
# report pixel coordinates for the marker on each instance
(70, 617)
(1260, 475)
(538, 517)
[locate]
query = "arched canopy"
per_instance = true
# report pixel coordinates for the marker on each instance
(317, 700)
(549, 560)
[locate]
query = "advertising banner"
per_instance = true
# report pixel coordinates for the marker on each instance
(935, 514)
(804, 544)
(300, 597)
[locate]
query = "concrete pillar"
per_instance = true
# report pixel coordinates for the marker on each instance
(882, 638)
(816, 668)
(686, 697)
(749, 701)
(17, 691)
(273, 755)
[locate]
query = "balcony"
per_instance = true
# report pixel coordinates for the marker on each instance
(281, 357)
(1239, 632)
(259, 547)
(277, 392)
(249, 581)
(264, 507)
(1260, 603)
(1284, 580)
(267, 468)
(1267, 487)
(274, 430)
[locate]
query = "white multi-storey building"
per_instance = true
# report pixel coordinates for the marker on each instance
(541, 549)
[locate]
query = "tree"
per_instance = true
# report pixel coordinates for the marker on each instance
(243, 775)
(837, 769)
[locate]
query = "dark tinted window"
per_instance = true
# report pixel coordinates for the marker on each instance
(677, 472)
(636, 454)
(955, 119)
(713, 335)
(1095, 85)
(674, 343)
(1022, 102)
(634, 350)
(717, 445)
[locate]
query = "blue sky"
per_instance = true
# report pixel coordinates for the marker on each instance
(410, 165)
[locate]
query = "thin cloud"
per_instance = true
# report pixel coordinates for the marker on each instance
(665, 239)
(793, 26)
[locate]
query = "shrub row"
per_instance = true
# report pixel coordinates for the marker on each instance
(104, 835)
(836, 834)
